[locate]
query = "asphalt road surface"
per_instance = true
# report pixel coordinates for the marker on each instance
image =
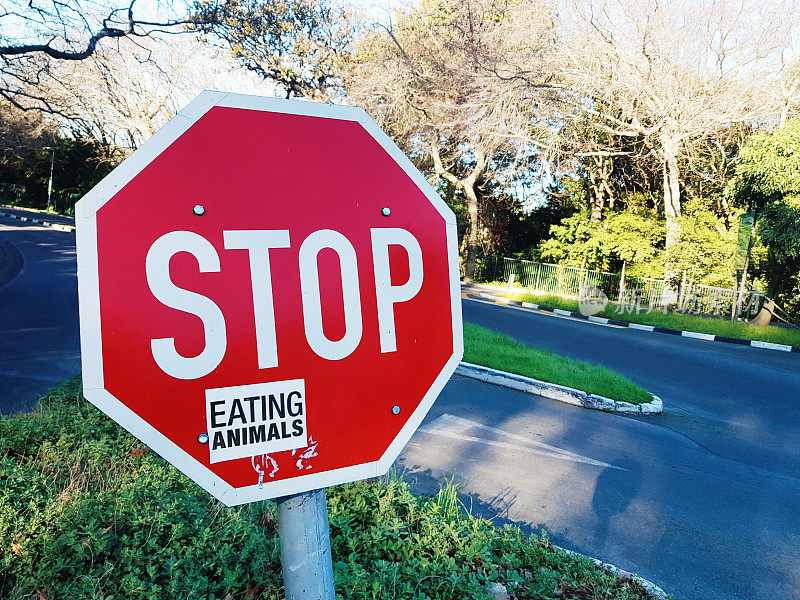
(39, 340)
(703, 500)
(633, 493)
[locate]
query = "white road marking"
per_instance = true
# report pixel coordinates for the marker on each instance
(454, 427)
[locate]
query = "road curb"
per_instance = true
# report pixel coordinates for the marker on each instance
(651, 587)
(489, 298)
(39, 222)
(560, 393)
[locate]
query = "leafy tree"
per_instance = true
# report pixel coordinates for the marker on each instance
(78, 165)
(767, 182)
(635, 238)
(706, 247)
(301, 45)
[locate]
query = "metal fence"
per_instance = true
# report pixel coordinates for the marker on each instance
(641, 292)
(547, 278)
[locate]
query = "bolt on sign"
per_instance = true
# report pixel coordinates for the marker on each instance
(269, 295)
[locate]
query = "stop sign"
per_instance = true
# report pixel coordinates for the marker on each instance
(269, 295)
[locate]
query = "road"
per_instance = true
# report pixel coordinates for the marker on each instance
(39, 340)
(702, 500)
(701, 526)
(739, 402)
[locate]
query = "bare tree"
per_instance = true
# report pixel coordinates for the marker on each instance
(673, 73)
(454, 83)
(787, 92)
(22, 132)
(37, 34)
(125, 92)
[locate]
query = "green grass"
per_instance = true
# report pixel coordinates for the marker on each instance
(682, 322)
(87, 512)
(490, 349)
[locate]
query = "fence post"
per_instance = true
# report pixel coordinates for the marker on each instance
(622, 282)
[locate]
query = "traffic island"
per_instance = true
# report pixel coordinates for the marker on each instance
(500, 360)
(560, 393)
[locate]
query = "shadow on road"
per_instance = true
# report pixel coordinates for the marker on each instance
(614, 491)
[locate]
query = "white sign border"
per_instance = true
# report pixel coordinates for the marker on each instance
(89, 299)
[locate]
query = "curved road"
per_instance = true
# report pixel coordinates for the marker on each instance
(703, 500)
(39, 339)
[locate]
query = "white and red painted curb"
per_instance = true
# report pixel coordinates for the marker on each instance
(557, 392)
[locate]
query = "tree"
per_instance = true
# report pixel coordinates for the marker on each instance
(674, 74)
(35, 35)
(767, 183)
(706, 247)
(444, 80)
(622, 237)
(22, 132)
(610, 168)
(301, 45)
(78, 166)
(124, 93)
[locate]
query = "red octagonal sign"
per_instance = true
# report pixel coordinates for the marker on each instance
(269, 295)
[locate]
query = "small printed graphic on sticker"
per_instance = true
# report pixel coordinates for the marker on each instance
(259, 419)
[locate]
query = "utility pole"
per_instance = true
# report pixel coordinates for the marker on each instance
(50, 183)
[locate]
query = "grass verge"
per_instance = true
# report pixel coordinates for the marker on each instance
(491, 349)
(86, 511)
(682, 322)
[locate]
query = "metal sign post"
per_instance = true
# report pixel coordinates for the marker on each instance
(305, 546)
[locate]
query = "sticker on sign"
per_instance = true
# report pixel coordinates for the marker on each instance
(263, 418)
